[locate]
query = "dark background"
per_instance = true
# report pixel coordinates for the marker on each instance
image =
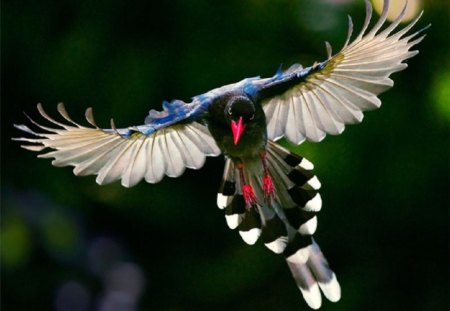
(69, 244)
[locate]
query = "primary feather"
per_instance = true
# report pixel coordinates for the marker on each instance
(323, 98)
(126, 154)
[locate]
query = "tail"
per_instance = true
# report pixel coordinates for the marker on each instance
(286, 223)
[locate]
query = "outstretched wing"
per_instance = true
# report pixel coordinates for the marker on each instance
(309, 103)
(168, 143)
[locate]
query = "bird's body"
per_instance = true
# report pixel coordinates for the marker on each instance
(267, 192)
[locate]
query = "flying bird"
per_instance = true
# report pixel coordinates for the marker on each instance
(267, 192)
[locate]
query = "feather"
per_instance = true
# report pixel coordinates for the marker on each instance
(194, 156)
(336, 92)
(311, 272)
(90, 117)
(227, 187)
(63, 112)
(157, 164)
(234, 211)
(127, 154)
(274, 234)
(175, 163)
(135, 170)
(46, 116)
(293, 133)
(113, 168)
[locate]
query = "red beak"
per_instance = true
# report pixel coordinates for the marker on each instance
(237, 129)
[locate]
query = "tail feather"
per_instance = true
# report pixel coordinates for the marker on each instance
(234, 211)
(301, 201)
(227, 187)
(275, 235)
(297, 217)
(250, 227)
(324, 275)
(297, 189)
(311, 271)
(286, 223)
(230, 198)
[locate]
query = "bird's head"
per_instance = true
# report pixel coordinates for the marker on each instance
(239, 111)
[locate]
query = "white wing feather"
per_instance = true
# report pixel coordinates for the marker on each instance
(112, 156)
(346, 86)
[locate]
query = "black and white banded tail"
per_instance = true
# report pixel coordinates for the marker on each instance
(286, 223)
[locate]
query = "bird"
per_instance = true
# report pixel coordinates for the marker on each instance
(267, 192)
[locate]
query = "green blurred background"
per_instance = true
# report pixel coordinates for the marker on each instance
(69, 244)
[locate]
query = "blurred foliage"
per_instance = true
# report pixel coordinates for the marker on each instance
(440, 95)
(69, 242)
(16, 240)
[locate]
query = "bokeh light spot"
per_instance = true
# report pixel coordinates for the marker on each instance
(441, 93)
(103, 253)
(395, 7)
(15, 240)
(127, 278)
(61, 234)
(72, 296)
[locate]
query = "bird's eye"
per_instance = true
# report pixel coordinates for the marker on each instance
(252, 117)
(229, 111)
